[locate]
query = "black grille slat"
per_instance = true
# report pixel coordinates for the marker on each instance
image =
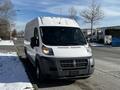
(66, 61)
(75, 63)
(66, 65)
(81, 64)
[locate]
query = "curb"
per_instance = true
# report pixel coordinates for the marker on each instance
(35, 87)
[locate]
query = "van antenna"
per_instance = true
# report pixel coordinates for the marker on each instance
(60, 20)
(41, 20)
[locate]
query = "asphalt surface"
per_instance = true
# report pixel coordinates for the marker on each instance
(105, 77)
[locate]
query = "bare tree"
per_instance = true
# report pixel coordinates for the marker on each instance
(7, 10)
(72, 12)
(14, 33)
(92, 14)
(7, 16)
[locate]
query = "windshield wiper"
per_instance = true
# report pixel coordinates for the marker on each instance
(74, 43)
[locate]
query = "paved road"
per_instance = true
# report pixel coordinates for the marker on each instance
(105, 77)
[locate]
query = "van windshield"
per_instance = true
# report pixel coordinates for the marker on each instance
(62, 36)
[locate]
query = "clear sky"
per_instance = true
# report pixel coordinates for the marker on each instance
(29, 9)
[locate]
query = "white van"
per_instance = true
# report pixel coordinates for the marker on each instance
(57, 48)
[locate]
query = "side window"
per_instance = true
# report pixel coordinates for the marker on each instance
(36, 36)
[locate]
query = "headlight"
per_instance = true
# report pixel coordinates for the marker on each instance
(92, 62)
(47, 51)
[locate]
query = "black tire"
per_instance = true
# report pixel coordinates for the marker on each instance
(39, 75)
(26, 55)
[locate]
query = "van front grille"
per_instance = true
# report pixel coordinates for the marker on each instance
(75, 63)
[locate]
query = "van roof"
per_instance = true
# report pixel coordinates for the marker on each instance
(57, 21)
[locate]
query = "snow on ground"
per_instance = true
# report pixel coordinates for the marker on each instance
(6, 42)
(96, 45)
(12, 73)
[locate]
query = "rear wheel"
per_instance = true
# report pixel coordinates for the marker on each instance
(26, 55)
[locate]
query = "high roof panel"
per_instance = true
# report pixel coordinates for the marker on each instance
(57, 21)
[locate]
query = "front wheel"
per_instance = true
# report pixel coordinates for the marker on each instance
(38, 73)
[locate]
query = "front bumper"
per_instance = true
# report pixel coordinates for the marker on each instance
(66, 68)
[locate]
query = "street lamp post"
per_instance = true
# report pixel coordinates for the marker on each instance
(11, 28)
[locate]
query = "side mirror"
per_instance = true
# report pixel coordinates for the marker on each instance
(88, 40)
(34, 42)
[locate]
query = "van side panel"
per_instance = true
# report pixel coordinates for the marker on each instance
(29, 33)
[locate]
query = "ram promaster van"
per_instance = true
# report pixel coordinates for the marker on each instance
(58, 49)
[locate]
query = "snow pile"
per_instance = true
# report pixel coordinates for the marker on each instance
(6, 42)
(12, 73)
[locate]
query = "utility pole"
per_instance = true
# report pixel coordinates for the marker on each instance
(11, 28)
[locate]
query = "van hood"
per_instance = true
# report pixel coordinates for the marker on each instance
(71, 51)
